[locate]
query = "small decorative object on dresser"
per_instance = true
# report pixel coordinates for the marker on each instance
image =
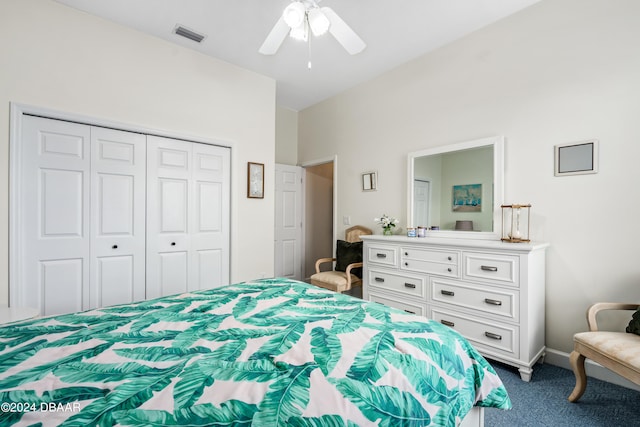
(489, 291)
(387, 224)
(516, 224)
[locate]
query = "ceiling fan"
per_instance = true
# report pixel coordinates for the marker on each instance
(301, 18)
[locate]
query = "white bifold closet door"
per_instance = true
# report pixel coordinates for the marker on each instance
(118, 177)
(83, 204)
(188, 216)
(110, 217)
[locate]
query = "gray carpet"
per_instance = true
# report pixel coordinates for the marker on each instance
(543, 401)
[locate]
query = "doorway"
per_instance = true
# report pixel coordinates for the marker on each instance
(319, 216)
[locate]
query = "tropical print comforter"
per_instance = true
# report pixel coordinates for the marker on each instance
(265, 353)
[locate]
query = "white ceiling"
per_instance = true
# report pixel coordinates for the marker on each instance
(395, 31)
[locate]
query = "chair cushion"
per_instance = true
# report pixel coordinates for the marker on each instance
(620, 347)
(634, 324)
(348, 253)
(334, 280)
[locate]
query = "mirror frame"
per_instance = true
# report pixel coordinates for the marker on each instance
(498, 185)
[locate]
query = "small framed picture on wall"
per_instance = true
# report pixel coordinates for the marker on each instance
(576, 158)
(255, 180)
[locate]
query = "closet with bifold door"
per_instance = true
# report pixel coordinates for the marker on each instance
(109, 216)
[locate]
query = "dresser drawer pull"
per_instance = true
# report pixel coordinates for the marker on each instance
(449, 258)
(492, 301)
(379, 279)
(410, 285)
(410, 312)
(449, 270)
(493, 336)
(381, 255)
(488, 268)
(447, 293)
(447, 323)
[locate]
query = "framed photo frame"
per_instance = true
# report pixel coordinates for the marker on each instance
(255, 180)
(370, 181)
(577, 158)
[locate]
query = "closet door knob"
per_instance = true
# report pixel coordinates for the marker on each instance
(173, 243)
(114, 247)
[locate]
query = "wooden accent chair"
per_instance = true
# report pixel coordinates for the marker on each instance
(617, 351)
(336, 280)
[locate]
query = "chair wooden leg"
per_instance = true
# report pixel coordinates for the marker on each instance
(577, 363)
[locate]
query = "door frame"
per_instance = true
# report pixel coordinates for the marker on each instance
(17, 112)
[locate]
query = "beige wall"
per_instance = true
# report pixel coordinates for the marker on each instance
(286, 136)
(560, 71)
(58, 58)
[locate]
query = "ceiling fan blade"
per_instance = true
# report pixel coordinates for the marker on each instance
(343, 33)
(275, 38)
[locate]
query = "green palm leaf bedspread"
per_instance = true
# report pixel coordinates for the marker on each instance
(266, 353)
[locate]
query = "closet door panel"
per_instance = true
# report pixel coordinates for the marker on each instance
(168, 204)
(210, 268)
(188, 226)
(61, 285)
(210, 217)
(174, 205)
(119, 270)
(173, 272)
(54, 215)
(118, 170)
(61, 204)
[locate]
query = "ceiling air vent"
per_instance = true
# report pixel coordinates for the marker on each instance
(189, 34)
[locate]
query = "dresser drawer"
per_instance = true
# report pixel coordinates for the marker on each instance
(498, 302)
(441, 269)
(442, 263)
(448, 257)
(483, 334)
(409, 307)
(503, 269)
(382, 255)
(397, 283)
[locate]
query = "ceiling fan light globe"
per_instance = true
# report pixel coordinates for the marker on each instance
(318, 22)
(301, 32)
(294, 14)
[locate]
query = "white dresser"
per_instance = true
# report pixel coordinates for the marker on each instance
(490, 291)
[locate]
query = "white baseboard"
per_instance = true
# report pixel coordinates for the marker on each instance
(593, 369)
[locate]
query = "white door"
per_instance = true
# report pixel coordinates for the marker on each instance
(187, 216)
(209, 217)
(288, 222)
(421, 190)
(118, 175)
(54, 210)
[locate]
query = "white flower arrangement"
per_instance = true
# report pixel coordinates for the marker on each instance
(387, 223)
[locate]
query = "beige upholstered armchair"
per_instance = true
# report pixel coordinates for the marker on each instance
(341, 278)
(617, 351)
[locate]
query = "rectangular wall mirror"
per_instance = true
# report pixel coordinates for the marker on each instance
(457, 188)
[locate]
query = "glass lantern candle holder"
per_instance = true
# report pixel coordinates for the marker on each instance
(516, 220)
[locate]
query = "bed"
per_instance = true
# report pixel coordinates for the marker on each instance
(272, 352)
